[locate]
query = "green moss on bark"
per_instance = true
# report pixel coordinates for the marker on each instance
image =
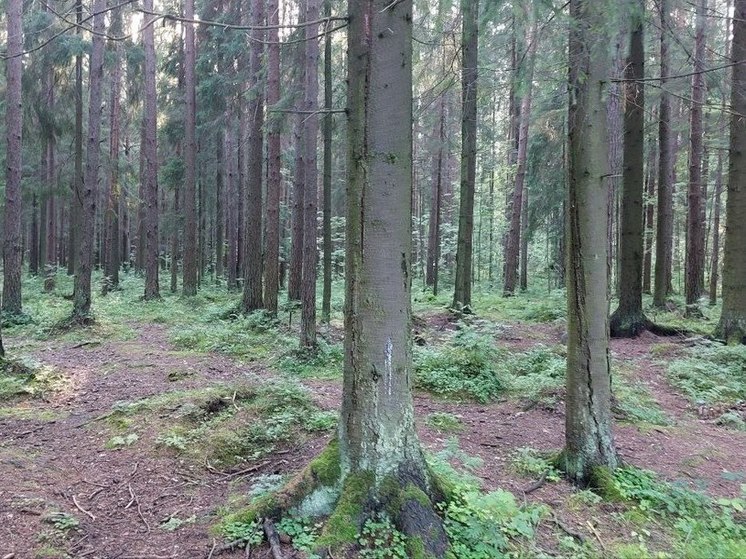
(344, 524)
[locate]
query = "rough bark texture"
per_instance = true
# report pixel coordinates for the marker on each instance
(462, 290)
(326, 299)
(588, 437)
(77, 182)
(82, 290)
(12, 247)
(254, 111)
(695, 250)
(378, 441)
(715, 256)
(189, 287)
(513, 243)
(150, 125)
(436, 197)
(628, 319)
(664, 225)
(650, 178)
(274, 179)
(112, 256)
(732, 326)
(310, 195)
(296, 249)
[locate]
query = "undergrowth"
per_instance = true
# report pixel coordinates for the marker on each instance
(711, 375)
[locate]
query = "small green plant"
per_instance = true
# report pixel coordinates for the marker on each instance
(379, 539)
(245, 532)
(712, 375)
(532, 463)
(444, 421)
(174, 441)
(174, 523)
(119, 441)
(464, 369)
(62, 521)
(302, 532)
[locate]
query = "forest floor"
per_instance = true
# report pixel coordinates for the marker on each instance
(132, 441)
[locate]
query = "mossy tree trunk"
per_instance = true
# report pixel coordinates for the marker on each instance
(628, 320)
(588, 437)
(379, 448)
(732, 326)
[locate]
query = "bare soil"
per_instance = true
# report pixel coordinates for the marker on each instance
(53, 454)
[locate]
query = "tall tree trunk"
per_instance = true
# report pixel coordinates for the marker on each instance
(647, 263)
(523, 280)
(695, 253)
(433, 244)
(310, 195)
(219, 211)
(33, 238)
(112, 259)
(296, 249)
(589, 443)
(628, 319)
(378, 441)
(12, 248)
(326, 299)
(274, 165)
(175, 242)
(732, 325)
(82, 290)
(513, 244)
(715, 257)
(666, 159)
(77, 182)
(150, 114)
(252, 288)
(469, 45)
(234, 193)
(189, 287)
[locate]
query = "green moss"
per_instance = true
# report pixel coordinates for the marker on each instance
(343, 526)
(326, 467)
(602, 480)
(416, 549)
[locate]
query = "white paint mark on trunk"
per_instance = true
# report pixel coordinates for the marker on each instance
(389, 368)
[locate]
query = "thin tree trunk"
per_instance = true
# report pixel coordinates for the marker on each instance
(513, 244)
(296, 249)
(274, 166)
(647, 264)
(694, 237)
(523, 280)
(715, 258)
(82, 290)
(433, 245)
(189, 287)
(77, 182)
(326, 299)
(175, 241)
(462, 290)
(310, 194)
(219, 211)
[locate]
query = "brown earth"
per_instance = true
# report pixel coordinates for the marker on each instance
(122, 497)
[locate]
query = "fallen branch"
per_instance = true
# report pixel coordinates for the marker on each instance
(81, 509)
(83, 344)
(595, 533)
(567, 530)
(273, 539)
(537, 484)
(214, 545)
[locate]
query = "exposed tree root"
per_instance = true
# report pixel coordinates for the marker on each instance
(632, 326)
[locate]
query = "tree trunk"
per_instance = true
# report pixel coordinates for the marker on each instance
(628, 320)
(695, 253)
(296, 249)
(378, 441)
(254, 110)
(274, 166)
(310, 194)
(462, 290)
(326, 299)
(82, 290)
(433, 244)
(175, 242)
(715, 258)
(233, 215)
(77, 182)
(219, 211)
(189, 287)
(33, 238)
(732, 325)
(513, 244)
(523, 280)
(12, 248)
(150, 114)
(589, 443)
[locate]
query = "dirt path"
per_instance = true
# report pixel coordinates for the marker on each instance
(53, 455)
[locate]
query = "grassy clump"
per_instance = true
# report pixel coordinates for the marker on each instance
(19, 378)
(711, 375)
(533, 463)
(227, 424)
(325, 363)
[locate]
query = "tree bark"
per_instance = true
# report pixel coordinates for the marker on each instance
(378, 441)
(82, 289)
(715, 256)
(628, 320)
(695, 251)
(732, 325)
(12, 247)
(296, 249)
(189, 287)
(274, 165)
(589, 443)
(310, 194)
(513, 244)
(254, 111)
(436, 196)
(150, 115)
(469, 44)
(326, 299)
